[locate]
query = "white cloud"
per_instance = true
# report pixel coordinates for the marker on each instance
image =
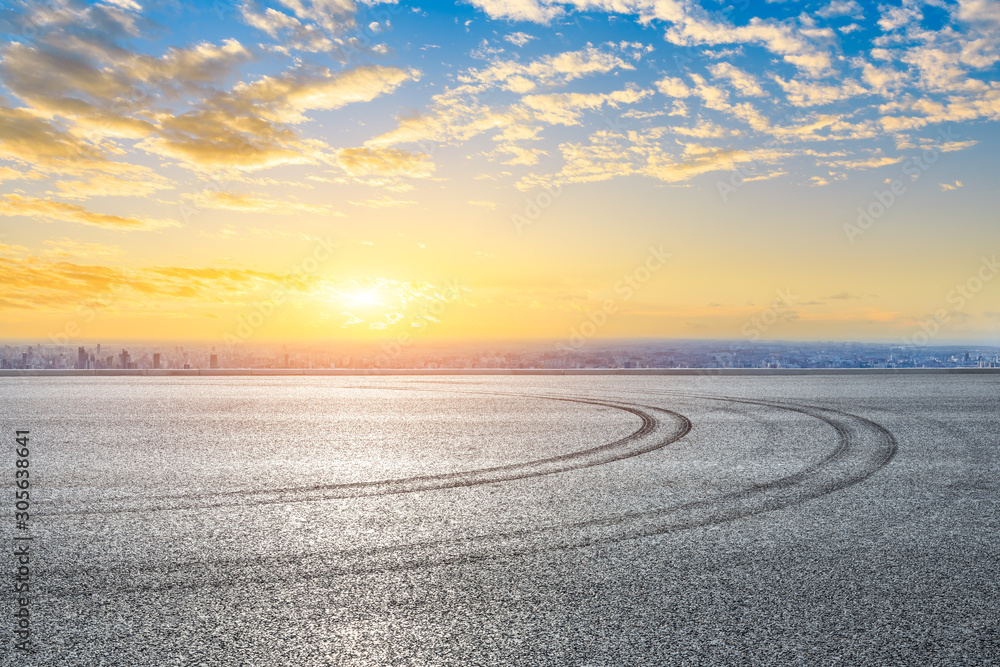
(567, 108)
(519, 10)
(519, 38)
(839, 8)
(807, 94)
(747, 84)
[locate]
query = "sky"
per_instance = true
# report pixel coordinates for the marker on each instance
(334, 170)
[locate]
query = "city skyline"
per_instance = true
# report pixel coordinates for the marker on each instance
(243, 172)
(499, 355)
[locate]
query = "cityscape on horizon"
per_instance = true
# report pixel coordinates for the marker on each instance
(624, 355)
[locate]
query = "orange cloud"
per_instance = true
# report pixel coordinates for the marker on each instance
(44, 209)
(383, 162)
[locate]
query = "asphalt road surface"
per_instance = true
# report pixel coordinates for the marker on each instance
(524, 520)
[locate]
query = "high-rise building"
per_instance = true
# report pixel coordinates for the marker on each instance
(213, 361)
(156, 360)
(81, 358)
(123, 359)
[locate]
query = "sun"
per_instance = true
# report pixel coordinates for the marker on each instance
(362, 298)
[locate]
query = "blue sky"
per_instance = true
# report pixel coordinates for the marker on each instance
(189, 153)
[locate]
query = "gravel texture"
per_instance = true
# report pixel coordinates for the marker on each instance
(525, 520)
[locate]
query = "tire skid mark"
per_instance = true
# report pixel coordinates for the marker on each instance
(653, 434)
(864, 447)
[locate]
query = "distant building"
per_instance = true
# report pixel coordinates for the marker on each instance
(81, 358)
(156, 360)
(213, 361)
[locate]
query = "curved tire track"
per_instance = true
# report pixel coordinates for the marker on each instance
(653, 434)
(863, 448)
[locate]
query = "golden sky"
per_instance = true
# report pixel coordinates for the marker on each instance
(331, 170)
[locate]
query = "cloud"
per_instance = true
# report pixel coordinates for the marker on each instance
(80, 91)
(521, 154)
(38, 143)
(317, 26)
(551, 70)
(706, 129)
(566, 108)
(228, 201)
(951, 146)
(839, 8)
(291, 32)
(519, 38)
(65, 248)
(384, 202)
(957, 108)
(673, 87)
(456, 114)
(807, 94)
(248, 128)
(11, 174)
(712, 97)
(86, 101)
(283, 98)
(48, 210)
(108, 91)
(950, 186)
(519, 10)
(384, 162)
(12, 250)
(139, 182)
(885, 80)
(744, 82)
(863, 163)
(979, 11)
(794, 44)
(39, 283)
(485, 204)
(688, 25)
(608, 155)
(894, 18)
